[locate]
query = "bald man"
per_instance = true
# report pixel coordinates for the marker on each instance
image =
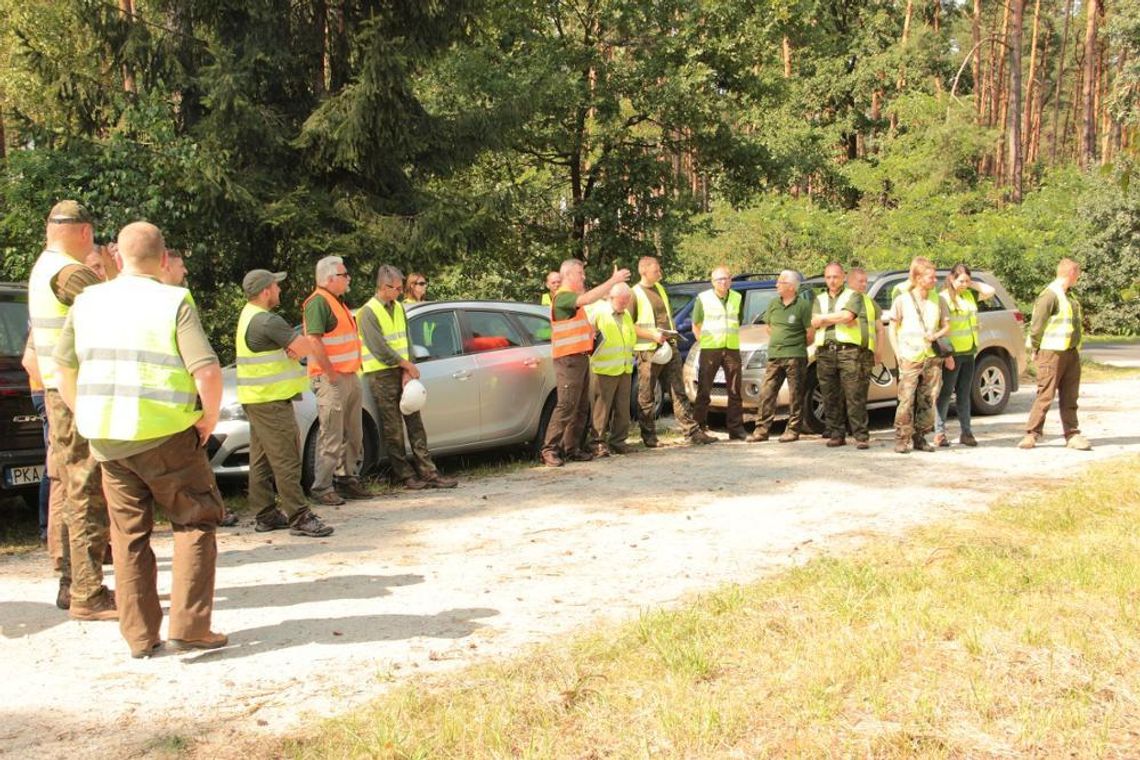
(611, 373)
(716, 326)
(145, 386)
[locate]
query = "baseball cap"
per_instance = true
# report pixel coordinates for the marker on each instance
(70, 212)
(260, 279)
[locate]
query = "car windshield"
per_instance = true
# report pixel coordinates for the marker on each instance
(13, 328)
(755, 304)
(678, 301)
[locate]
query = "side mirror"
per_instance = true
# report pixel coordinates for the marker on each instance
(419, 352)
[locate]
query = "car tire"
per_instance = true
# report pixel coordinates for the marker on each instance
(813, 421)
(992, 385)
(543, 424)
(370, 453)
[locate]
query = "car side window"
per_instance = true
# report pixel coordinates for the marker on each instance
(994, 304)
(490, 331)
(537, 327)
(883, 297)
(434, 335)
(13, 328)
(678, 301)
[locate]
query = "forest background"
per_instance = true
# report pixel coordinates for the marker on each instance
(483, 141)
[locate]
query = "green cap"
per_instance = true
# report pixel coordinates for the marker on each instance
(70, 212)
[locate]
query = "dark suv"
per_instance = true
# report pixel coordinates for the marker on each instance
(21, 428)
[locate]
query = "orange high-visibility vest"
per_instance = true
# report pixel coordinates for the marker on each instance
(342, 344)
(570, 336)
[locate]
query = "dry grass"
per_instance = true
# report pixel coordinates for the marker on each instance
(1010, 634)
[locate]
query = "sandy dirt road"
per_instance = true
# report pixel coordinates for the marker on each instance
(417, 584)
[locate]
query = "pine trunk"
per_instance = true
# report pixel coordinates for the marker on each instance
(127, 13)
(787, 52)
(1088, 123)
(1060, 82)
(1031, 85)
(979, 86)
(1014, 98)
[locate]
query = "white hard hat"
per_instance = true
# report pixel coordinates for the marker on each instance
(663, 354)
(414, 398)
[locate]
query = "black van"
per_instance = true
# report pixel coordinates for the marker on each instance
(21, 428)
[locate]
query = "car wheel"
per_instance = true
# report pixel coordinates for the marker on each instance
(813, 421)
(369, 454)
(658, 400)
(992, 384)
(543, 424)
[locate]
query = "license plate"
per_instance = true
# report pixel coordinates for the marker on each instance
(24, 476)
(719, 379)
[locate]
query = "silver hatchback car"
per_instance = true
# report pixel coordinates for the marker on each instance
(1000, 359)
(488, 373)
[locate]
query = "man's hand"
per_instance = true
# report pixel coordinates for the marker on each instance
(411, 371)
(950, 363)
(660, 337)
(619, 275)
(817, 321)
(205, 425)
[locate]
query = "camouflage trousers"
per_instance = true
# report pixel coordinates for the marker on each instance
(919, 383)
(387, 388)
(83, 529)
(795, 370)
(669, 374)
(843, 371)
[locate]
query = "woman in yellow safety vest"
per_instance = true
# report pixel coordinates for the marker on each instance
(958, 370)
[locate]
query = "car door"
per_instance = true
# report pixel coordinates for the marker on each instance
(451, 416)
(510, 373)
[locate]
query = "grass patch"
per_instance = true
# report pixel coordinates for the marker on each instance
(1014, 632)
(1112, 339)
(1094, 372)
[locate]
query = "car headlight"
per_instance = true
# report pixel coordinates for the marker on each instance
(758, 359)
(233, 411)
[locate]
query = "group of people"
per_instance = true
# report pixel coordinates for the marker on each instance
(934, 334)
(132, 390)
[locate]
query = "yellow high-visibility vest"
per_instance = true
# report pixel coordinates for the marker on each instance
(46, 312)
(963, 310)
(614, 354)
(1059, 328)
(265, 375)
(645, 314)
(721, 326)
(395, 329)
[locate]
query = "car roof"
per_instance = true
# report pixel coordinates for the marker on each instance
(752, 281)
(476, 304)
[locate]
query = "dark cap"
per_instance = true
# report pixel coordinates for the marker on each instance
(70, 212)
(260, 279)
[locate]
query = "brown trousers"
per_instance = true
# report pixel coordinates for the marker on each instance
(669, 374)
(176, 477)
(712, 359)
(1058, 373)
(79, 525)
(340, 439)
(609, 423)
(795, 370)
(567, 423)
(275, 460)
(387, 388)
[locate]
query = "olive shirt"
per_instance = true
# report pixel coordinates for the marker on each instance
(1046, 306)
(268, 332)
(193, 346)
(565, 305)
(787, 328)
(660, 313)
(70, 281)
(319, 317)
(372, 335)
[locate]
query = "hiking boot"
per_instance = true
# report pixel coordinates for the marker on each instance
(737, 435)
(620, 448)
(351, 489)
(210, 641)
(600, 452)
(413, 484)
(701, 438)
(1028, 442)
(921, 444)
(789, 436)
(1078, 442)
(328, 498)
(967, 439)
(862, 445)
(650, 443)
(550, 459)
(275, 520)
(149, 651)
(902, 446)
(310, 525)
(438, 481)
(229, 519)
(941, 441)
(577, 455)
(63, 596)
(834, 443)
(102, 607)
(758, 436)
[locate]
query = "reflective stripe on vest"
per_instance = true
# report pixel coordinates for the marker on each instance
(614, 354)
(264, 376)
(342, 345)
(645, 316)
(911, 335)
(721, 326)
(395, 330)
(963, 310)
(132, 383)
(854, 333)
(570, 336)
(1058, 335)
(46, 312)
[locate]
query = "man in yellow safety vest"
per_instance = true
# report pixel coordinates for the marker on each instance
(716, 326)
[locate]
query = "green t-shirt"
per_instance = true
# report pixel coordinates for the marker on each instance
(565, 305)
(319, 317)
(787, 328)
